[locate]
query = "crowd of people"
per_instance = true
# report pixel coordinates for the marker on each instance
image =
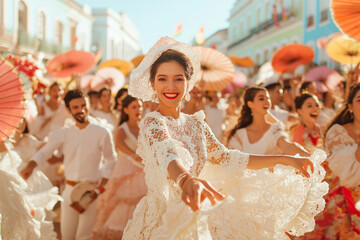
(165, 159)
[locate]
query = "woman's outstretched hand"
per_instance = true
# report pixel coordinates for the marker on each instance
(196, 190)
(302, 164)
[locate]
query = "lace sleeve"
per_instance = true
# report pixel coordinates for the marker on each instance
(217, 153)
(342, 161)
(155, 139)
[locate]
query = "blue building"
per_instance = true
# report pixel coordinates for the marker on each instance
(318, 24)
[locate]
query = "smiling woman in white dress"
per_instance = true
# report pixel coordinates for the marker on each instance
(175, 147)
(253, 134)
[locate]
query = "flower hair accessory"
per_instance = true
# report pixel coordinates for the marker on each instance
(140, 85)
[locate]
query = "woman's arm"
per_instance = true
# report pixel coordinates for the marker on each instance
(257, 162)
(290, 148)
(121, 145)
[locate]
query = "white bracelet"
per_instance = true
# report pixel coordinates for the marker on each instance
(181, 177)
(97, 191)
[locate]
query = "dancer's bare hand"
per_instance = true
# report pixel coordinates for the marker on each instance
(302, 164)
(28, 170)
(196, 190)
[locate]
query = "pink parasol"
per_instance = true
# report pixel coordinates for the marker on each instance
(324, 74)
(108, 77)
(85, 81)
(69, 63)
(11, 101)
(239, 80)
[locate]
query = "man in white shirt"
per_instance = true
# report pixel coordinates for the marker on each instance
(89, 155)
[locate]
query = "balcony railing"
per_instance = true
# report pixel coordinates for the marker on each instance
(261, 27)
(25, 40)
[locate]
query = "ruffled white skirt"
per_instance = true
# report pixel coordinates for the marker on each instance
(263, 205)
(24, 204)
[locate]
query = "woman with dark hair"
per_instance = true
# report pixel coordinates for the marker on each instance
(307, 132)
(175, 148)
(127, 183)
(340, 219)
(253, 134)
(123, 92)
(105, 111)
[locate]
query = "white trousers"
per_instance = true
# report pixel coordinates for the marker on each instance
(73, 225)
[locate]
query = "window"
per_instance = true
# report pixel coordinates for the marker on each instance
(58, 32)
(41, 25)
(249, 24)
(324, 10)
(242, 30)
(22, 13)
(258, 12)
(266, 55)
(257, 59)
(311, 9)
(73, 36)
(267, 11)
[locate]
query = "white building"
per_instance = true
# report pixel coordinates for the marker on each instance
(218, 41)
(115, 34)
(51, 26)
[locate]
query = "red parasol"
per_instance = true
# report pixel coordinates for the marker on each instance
(217, 71)
(346, 15)
(69, 63)
(324, 74)
(108, 77)
(11, 101)
(291, 56)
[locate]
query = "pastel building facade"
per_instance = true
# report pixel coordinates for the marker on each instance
(50, 27)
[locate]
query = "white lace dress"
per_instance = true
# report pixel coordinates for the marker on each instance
(161, 214)
(24, 204)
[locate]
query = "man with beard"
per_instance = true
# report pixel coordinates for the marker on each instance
(89, 156)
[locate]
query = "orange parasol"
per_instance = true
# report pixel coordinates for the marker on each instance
(344, 50)
(124, 66)
(291, 56)
(242, 62)
(69, 63)
(108, 77)
(346, 15)
(11, 101)
(137, 60)
(217, 70)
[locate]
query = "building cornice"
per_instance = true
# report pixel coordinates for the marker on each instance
(243, 8)
(77, 7)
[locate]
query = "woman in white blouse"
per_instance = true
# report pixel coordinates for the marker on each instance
(253, 134)
(105, 111)
(341, 217)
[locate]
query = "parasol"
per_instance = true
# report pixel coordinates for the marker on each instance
(242, 62)
(322, 42)
(108, 77)
(217, 71)
(69, 63)
(85, 81)
(344, 50)
(346, 16)
(124, 66)
(265, 72)
(239, 80)
(11, 101)
(137, 60)
(324, 74)
(291, 56)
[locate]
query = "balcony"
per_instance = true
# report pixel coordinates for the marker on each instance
(261, 27)
(27, 41)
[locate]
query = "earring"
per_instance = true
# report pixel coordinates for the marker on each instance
(187, 96)
(154, 97)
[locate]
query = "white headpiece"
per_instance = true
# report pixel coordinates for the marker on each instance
(140, 85)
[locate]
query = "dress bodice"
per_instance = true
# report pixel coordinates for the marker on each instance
(130, 139)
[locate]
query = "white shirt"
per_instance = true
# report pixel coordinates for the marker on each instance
(109, 117)
(280, 114)
(89, 153)
(215, 118)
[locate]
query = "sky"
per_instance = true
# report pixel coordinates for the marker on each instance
(157, 18)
